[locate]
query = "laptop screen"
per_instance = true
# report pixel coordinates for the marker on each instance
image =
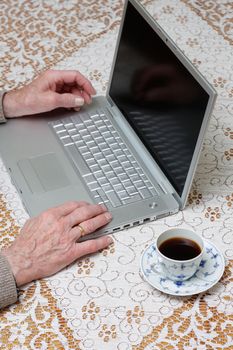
(158, 96)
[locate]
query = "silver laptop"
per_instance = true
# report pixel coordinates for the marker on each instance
(134, 150)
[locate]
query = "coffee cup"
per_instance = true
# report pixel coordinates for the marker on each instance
(179, 253)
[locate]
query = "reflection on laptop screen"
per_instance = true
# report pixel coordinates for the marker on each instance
(161, 100)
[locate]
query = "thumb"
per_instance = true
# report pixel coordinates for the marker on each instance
(68, 100)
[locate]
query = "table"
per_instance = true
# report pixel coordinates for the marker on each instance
(101, 301)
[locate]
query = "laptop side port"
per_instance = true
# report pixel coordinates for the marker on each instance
(160, 216)
(146, 220)
(126, 226)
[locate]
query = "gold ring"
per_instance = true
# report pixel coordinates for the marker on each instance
(82, 231)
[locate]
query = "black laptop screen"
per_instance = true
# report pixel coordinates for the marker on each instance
(161, 100)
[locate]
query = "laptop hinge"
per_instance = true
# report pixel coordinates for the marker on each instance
(110, 101)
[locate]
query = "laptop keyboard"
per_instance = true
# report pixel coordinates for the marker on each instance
(107, 166)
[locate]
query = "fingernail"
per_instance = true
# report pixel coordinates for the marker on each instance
(108, 216)
(79, 101)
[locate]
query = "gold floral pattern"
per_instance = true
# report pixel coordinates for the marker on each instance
(212, 213)
(192, 42)
(218, 14)
(168, 9)
(85, 266)
(208, 326)
(194, 197)
(8, 228)
(229, 199)
(90, 311)
(229, 154)
(109, 250)
(136, 315)
(231, 92)
(196, 62)
(24, 328)
(33, 322)
(182, 19)
(228, 132)
(49, 32)
(107, 332)
(220, 82)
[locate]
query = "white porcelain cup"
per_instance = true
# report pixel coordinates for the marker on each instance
(178, 270)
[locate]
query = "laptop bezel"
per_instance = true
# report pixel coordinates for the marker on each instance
(195, 73)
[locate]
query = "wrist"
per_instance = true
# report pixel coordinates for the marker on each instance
(10, 105)
(2, 114)
(20, 266)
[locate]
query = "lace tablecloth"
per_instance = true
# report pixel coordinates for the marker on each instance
(101, 301)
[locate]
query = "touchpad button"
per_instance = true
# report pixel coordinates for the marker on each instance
(43, 173)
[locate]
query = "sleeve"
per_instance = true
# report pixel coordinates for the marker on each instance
(2, 115)
(8, 289)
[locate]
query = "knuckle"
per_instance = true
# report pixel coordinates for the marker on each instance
(48, 215)
(72, 202)
(83, 203)
(54, 99)
(85, 211)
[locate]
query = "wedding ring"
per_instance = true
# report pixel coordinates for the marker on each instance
(82, 231)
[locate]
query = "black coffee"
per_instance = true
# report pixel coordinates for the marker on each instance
(180, 248)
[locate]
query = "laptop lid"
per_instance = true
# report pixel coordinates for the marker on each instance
(163, 97)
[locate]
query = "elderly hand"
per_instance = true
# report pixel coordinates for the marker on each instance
(49, 242)
(52, 89)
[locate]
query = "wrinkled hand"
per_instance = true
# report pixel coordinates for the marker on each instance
(49, 242)
(52, 89)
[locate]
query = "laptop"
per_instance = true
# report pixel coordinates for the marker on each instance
(135, 149)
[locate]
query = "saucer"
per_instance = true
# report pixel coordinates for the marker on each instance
(208, 274)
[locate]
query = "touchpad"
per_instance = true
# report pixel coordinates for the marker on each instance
(43, 173)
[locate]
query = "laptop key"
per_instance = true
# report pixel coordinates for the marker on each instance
(84, 116)
(103, 181)
(89, 178)
(116, 177)
(112, 196)
(133, 199)
(94, 186)
(145, 193)
(123, 195)
(77, 159)
(66, 140)
(132, 191)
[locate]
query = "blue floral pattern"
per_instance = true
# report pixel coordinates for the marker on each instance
(208, 274)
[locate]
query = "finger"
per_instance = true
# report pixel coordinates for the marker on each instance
(92, 245)
(81, 93)
(84, 213)
(72, 76)
(87, 97)
(85, 84)
(67, 100)
(90, 226)
(68, 207)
